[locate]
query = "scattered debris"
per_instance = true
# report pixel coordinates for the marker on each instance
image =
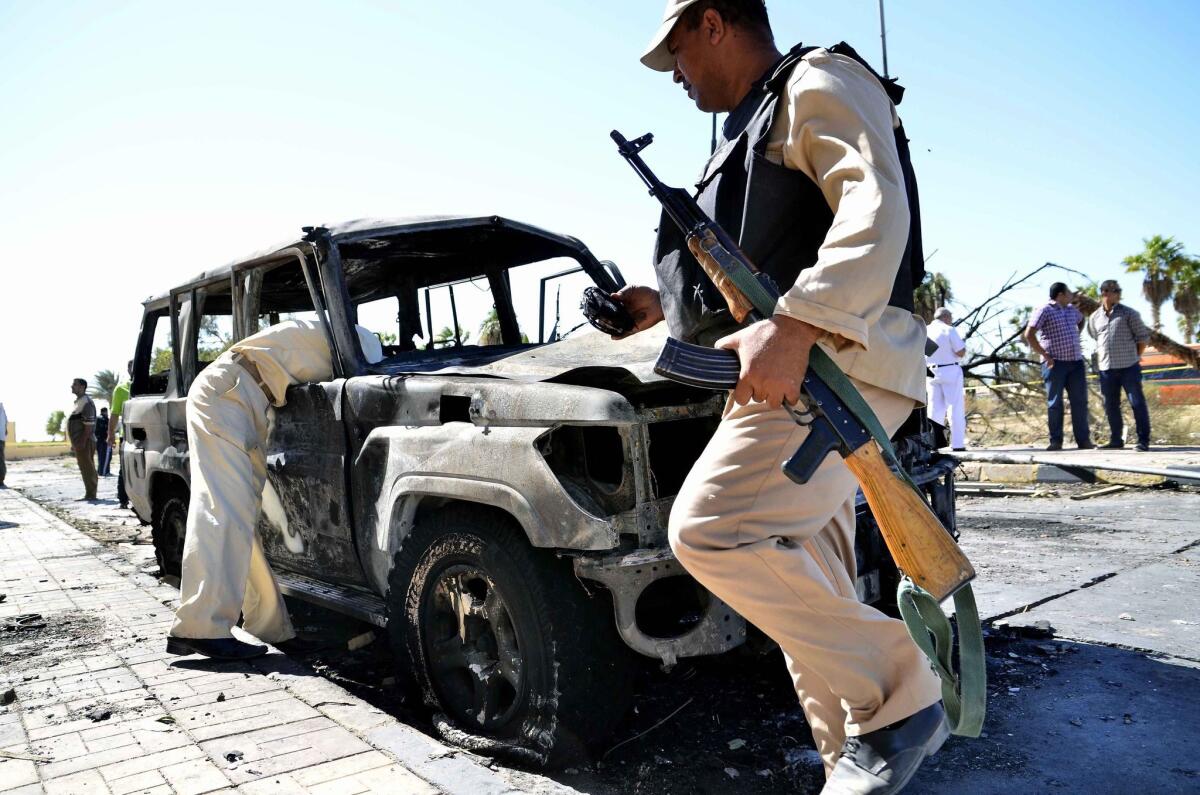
(233, 757)
(25, 621)
(25, 756)
(1087, 495)
(96, 715)
(647, 731)
(361, 641)
(803, 756)
(992, 490)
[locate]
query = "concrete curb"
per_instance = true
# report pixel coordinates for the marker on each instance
(972, 471)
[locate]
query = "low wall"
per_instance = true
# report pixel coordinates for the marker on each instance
(35, 450)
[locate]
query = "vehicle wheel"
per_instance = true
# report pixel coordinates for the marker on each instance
(504, 641)
(168, 526)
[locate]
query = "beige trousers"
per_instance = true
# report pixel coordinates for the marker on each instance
(782, 555)
(224, 569)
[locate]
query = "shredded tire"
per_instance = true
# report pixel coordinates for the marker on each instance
(575, 683)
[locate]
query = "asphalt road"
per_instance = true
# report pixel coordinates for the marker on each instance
(1101, 702)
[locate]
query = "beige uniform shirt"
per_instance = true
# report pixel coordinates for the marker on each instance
(836, 125)
(291, 352)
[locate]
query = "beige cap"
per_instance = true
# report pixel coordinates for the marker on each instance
(656, 55)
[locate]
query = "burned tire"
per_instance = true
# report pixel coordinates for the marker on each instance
(514, 656)
(168, 528)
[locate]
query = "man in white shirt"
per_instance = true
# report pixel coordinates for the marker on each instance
(225, 572)
(946, 385)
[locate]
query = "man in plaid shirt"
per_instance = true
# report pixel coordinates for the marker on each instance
(1121, 337)
(1053, 333)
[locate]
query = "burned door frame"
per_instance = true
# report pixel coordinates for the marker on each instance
(155, 438)
(306, 448)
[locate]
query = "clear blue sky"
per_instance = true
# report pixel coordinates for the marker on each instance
(143, 142)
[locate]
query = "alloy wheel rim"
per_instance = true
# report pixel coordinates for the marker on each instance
(472, 649)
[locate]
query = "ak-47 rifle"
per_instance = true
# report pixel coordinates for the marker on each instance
(837, 416)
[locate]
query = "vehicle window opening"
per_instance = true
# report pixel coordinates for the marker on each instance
(214, 326)
(272, 294)
(155, 358)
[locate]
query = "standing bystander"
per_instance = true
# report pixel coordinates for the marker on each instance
(102, 449)
(81, 424)
(116, 433)
(1053, 333)
(946, 386)
(1121, 337)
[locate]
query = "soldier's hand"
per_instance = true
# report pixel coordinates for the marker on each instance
(774, 357)
(642, 303)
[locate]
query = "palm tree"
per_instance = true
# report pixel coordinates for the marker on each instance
(1187, 298)
(447, 336)
(489, 329)
(1157, 263)
(932, 292)
(102, 386)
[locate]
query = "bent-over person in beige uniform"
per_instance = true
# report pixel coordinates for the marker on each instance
(809, 180)
(224, 569)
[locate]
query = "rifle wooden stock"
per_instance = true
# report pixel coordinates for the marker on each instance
(921, 547)
(703, 249)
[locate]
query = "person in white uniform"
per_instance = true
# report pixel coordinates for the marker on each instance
(224, 569)
(945, 389)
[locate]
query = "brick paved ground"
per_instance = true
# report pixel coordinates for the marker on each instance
(101, 708)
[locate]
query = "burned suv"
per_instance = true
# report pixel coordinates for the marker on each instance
(494, 492)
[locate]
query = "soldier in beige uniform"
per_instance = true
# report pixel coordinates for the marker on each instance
(224, 569)
(782, 554)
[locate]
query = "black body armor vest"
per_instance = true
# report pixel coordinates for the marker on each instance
(778, 216)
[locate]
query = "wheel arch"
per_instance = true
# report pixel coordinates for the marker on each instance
(164, 485)
(415, 496)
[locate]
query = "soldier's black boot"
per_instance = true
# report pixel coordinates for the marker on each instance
(882, 762)
(215, 648)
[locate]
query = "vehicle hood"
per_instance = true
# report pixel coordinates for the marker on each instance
(587, 359)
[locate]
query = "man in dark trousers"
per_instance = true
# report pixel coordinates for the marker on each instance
(1053, 334)
(102, 448)
(1121, 338)
(81, 432)
(809, 180)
